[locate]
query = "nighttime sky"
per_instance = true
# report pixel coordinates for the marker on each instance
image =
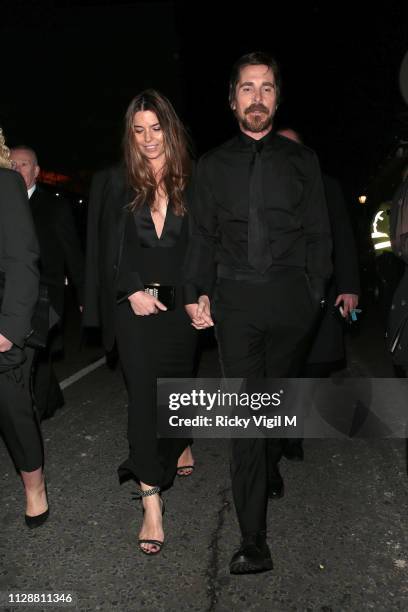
(74, 66)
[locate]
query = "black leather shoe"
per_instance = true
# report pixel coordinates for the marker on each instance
(294, 451)
(276, 486)
(252, 557)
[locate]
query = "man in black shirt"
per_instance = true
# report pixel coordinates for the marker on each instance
(261, 246)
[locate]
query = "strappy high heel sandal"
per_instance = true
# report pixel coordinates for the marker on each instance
(159, 543)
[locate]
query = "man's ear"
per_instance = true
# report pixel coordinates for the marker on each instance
(37, 171)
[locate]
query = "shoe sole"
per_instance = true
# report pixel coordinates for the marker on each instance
(249, 568)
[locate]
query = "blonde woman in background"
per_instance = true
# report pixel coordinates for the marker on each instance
(19, 280)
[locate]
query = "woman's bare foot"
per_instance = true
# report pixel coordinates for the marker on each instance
(185, 464)
(152, 527)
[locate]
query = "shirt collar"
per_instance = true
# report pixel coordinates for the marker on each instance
(248, 141)
(31, 191)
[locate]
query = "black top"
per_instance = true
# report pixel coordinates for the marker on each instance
(295, 211)
(146, 258)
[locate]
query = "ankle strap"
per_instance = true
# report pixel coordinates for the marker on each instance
(140, 493)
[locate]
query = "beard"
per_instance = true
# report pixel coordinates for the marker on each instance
(256, 123)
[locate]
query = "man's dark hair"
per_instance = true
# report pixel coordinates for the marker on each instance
(254, 59)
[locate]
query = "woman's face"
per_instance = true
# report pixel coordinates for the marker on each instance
(148, 135)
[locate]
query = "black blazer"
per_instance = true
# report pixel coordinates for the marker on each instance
(59, 245)
(107, 211)
(19, 253)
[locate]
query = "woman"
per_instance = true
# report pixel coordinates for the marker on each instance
(19, 279)
(137, 236)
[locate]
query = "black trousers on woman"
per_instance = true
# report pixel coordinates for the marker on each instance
(263, 330)
(19, 425)
(150, 347)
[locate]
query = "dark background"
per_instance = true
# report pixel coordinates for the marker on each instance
(69, 70)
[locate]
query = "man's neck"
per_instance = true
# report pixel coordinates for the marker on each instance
(255, 135)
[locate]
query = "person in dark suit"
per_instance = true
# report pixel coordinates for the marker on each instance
(136, 244)
(19, 275)
(262, 241)
(327, 353)
(60, 248)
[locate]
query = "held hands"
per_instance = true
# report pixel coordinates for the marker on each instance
(350, 302)
(5, 345)
(199, 313)
(144, 304)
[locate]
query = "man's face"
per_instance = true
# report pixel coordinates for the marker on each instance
(24, 162)
(255, 98)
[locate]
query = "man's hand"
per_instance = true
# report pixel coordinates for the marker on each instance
(350, 302)
(144, 304)
(199, 313)
(5, 345)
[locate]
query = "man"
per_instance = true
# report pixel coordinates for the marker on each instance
(261, 235)
(59, 247)
(327, 352)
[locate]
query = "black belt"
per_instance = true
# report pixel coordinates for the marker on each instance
(248, 275)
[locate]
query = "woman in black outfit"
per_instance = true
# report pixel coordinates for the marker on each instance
(137, 236)
(19, 278)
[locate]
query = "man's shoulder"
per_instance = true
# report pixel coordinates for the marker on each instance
(219, 151)
(291, 146)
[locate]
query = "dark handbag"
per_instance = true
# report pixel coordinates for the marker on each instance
(43, 319)
(166, 294)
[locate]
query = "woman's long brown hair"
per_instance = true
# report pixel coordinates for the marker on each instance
(177, 166)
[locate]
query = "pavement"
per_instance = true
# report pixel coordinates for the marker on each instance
(338, 537)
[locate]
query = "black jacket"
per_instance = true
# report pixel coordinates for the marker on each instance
(19, 253)
(59, 245)
(107, 211)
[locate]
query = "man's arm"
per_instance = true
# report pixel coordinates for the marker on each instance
(69, 240)
(18, 260)
(317, 229)
(345, 260)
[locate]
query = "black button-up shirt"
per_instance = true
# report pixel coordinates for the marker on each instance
(295, 211)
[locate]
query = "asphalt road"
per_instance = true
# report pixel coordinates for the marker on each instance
(338, 537)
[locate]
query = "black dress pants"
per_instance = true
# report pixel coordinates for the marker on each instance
(48, 396)
(19, 424)
(263, 330)
(156, 346)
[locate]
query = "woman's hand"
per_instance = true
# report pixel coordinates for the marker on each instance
(144, 304)
(200, 313)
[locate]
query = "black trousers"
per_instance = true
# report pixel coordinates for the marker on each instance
(157, 346)
(19, 424)
(263, 330)
(48, 396)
